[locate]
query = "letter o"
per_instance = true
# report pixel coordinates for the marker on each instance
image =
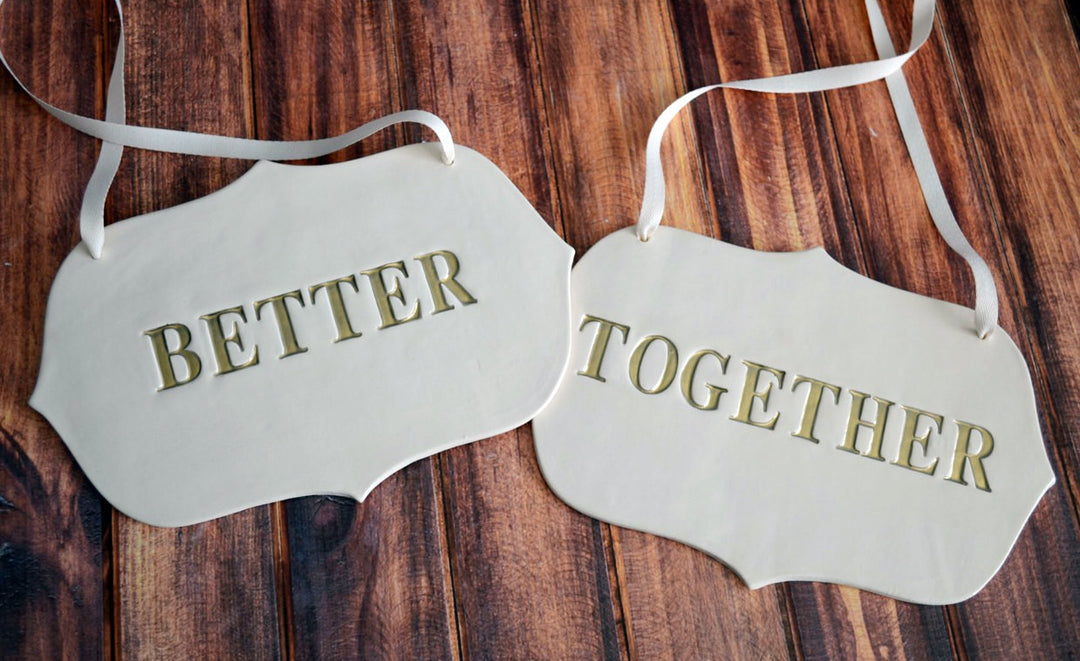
(670, 367)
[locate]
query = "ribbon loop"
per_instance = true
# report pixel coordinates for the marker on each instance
(888, 67)
(116, 134)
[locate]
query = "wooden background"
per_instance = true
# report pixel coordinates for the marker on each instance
(467, 554)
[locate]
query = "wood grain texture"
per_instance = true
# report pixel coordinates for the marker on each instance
(468, 554)
(52, 522)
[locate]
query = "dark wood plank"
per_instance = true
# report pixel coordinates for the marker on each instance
(371, 580)
(323, 68)
(529, 574)
(52, 522)
(771, 163)
(681, 603)
(206, 590)
(367, 580)
(847, 623)
(609, 72)
(530, 577)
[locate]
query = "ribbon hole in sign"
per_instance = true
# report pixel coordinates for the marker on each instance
(793, 418)
(306, 329)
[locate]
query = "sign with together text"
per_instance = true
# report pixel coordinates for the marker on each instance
(792, 418)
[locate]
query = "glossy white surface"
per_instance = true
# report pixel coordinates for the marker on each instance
(342, 416)
(771, 505)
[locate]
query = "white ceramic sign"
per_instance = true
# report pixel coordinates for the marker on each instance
(304, 330)
(792, 418)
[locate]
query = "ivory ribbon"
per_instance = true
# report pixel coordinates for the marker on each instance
(116, 134)
(819, 80)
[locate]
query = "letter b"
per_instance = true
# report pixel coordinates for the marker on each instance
(164, 355)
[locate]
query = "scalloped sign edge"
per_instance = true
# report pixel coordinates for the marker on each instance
(257, 238)
(657, 462)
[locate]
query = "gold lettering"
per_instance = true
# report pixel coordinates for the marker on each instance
(750, 393)
(337, 305)
(289, 345)
(713, 398)
(909, 438)
(962, 455)
(670, 366)
(383, 295)
(599, 345)
(813, 405)
(164, 355)
(436, 283)
(855, 421)
(219, 341)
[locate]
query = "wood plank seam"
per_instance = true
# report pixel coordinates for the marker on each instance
(791, 623)
(619, 597)
(620, 650)
(110, 592)
(1071, 12)
(283, 578)
(558, 217)
(862, 253)
(445, 507)
(956, 633)
(112, 587)
(279, 530)
(402, 132)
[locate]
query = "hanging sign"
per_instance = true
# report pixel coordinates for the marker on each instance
(790, 417)
(303, 330)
